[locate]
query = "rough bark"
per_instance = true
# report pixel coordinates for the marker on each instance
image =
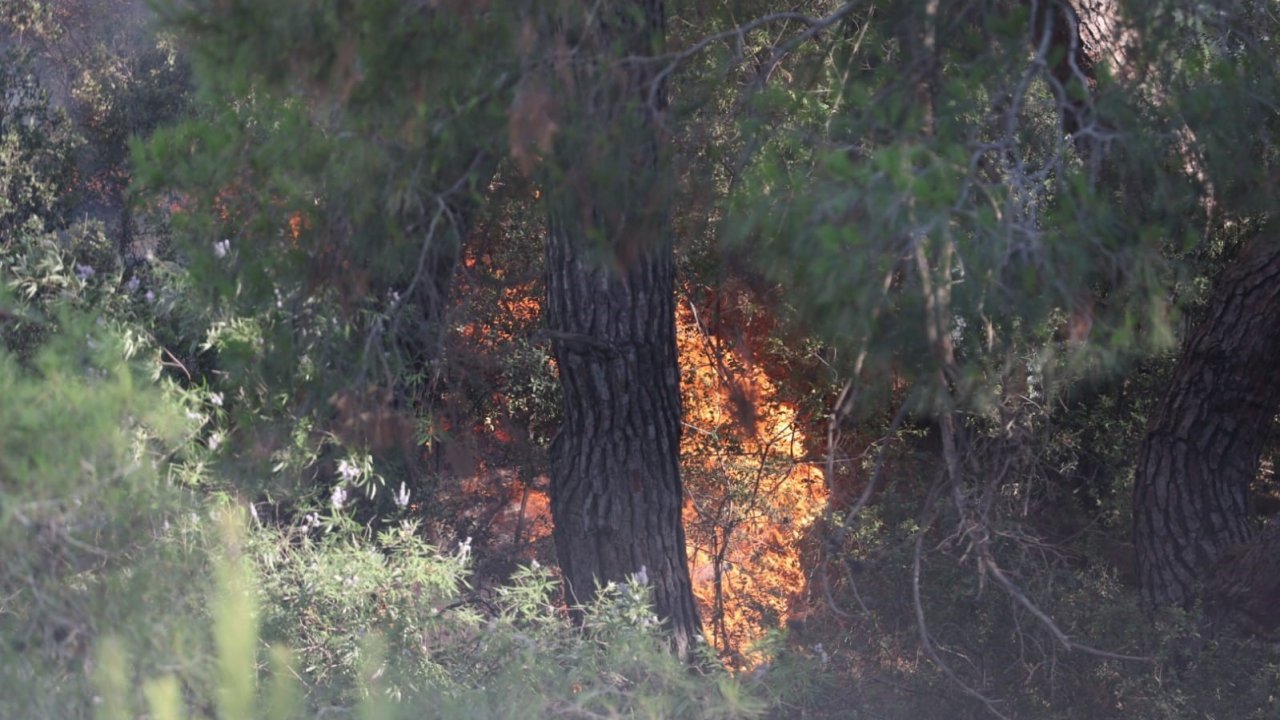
(1057, 28)
(1078, 36)
(1202, 450)
(1192, 531)
(616, 494)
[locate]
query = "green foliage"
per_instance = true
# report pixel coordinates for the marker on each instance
(911, 199)
(323, 595)
(36, 146)
(113, 72)
(499, 652)
(307, 215)
(92, 520)
(105, 593)
(319, 196)
(95, 538)
(51, 258)
(344, 200)
(231, 691)
(388, 628)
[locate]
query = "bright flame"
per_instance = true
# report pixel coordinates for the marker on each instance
(751, 496)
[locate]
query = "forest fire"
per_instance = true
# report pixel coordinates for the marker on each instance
(750, 500)
(750, 497)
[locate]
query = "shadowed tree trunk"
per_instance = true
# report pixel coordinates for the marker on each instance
(616, 494)
(1192, 530)
(1191, 503)
(1056, 26)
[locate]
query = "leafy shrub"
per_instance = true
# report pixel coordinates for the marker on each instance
(36, 147)
(505, 652)
(436, 649)
(115, 595)
(94, 533)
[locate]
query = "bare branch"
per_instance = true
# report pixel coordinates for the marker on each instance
(926, 640)
(814, 26)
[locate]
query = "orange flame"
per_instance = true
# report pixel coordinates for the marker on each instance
(751, 496)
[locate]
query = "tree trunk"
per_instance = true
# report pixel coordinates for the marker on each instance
(1077, 36)
(1192, 531)
(616, 495)
(1191, 501)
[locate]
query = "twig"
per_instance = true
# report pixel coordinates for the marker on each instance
(926, 641)
(176, 363)
(814, 26)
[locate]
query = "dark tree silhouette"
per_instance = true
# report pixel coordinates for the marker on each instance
(1202, 451)
(616, 494)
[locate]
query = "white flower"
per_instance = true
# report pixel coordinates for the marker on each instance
(348, 470)
(216, 399)
(401, 498)
(221, 248)
(822, 653)
(339, 497)
(215, 439)
(642, 575)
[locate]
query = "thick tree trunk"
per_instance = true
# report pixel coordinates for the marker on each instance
(616, 495)
(1076, 37)
(1192, 530)
(1191, 503)
(1057, 29)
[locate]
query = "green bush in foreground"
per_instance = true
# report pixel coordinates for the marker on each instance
(96, 535)
(124, 593)
(386, 628)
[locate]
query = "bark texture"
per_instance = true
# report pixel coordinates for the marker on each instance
(1076, 37)
(1202, 450)
(616, 493)
(1057, 34)
(1192, 529)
